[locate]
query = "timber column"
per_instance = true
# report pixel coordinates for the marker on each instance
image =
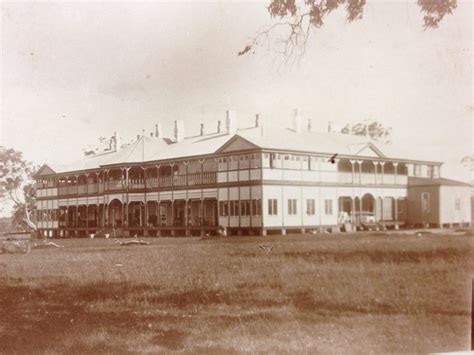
(395, 212)
(353, 212)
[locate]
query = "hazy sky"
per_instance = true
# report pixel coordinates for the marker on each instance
(76, 71)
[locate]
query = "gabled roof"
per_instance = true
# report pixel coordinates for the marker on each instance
(269, 137)
(418, 181)
(287, 139)
(44, 170)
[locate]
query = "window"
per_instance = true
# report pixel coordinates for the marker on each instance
(272, 207)
(292, 206)
(425, 202)
(256, 207)
(457, 203)
(430, 171)
(328, 207)
(236, 208)
(224, 210)
(245, 207)
(417, 170)
(286, 157)
(310, 207)
(255, 161)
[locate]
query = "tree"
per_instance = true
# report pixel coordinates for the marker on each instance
(104, 145)
(296, 19)
(373, 129)
(16, 184)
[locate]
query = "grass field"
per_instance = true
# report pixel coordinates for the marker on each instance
(331, 293)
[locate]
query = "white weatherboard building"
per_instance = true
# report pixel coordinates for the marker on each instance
(252, 180)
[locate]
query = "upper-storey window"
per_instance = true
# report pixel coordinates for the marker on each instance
(244, 162)
(255, 160)
(222, 163)
(417, 171)
(429, 171)
(233, 162)
(275, 160)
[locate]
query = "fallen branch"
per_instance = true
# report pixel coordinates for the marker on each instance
(131, 242)
(266, 248)
(47, 244)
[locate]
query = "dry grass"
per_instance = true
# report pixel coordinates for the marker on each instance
(343, 293)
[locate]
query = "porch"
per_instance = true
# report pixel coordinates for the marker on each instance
(369, 210)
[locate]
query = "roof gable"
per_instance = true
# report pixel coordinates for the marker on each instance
(45, 170)
(236, 143)
(369, 150)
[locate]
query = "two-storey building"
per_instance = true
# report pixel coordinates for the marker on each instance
(251, 180)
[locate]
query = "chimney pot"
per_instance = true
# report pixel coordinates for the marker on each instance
(115, 142)
(158, 130)
(219, 123)
(202, 129)
(178, 130)
(231, 122)
(310, 125)
(257, 120)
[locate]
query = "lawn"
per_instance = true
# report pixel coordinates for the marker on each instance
(330, 293)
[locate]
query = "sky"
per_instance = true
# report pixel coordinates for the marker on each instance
(73, 72)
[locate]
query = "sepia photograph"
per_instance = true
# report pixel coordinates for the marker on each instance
(227, 177)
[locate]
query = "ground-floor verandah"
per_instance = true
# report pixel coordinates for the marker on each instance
(173, 217)
(368, 209)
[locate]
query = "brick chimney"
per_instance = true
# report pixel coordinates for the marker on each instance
(158, 130)
(297, 122)
(231, 122)
(115, 142)
(219, 126)
(258, 122)
(201, 132)
(179, 130)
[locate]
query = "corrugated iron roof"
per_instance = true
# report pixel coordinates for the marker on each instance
(418, 181)
(267, 137)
